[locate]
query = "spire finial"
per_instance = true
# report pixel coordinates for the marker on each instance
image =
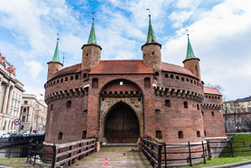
(63, 61)
(92, 36)
(150, 36)
(149, 12)
(58, 36)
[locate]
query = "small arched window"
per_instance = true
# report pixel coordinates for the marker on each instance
(180, 134)
(68, 104)
(156, 73)
(166, 75)
(60, 135)
(177, 77)
(76, 77)
(167, 103)
(84, 135)
(205, 133)
(62, 80)
(157, 110)
(198, 107)
(71, 78)
(147, 82)
(182, 79)
(153, 53)
(212, 113)
(66, 78)
(84, 75)
(185, 104)
(57, 81)
(198, 133)
(23, 118)
(171, 76)
(159, 134)
(191, 81)
(202, 113)
(187, 79)
(95, 83)
(52, 107)
(4, 65)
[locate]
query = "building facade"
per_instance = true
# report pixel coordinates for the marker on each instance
(11, 91)
(33, 114)
(120, 100)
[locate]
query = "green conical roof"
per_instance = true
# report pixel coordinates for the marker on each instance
(56, 54)
(150, 36)
(190, 53)
(92, 36)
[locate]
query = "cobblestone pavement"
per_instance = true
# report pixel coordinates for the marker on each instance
(132, 158)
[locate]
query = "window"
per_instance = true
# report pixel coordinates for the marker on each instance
(60, 135)
(159, 134)
(166, 75)
(147, 82)
(71, 78)
(248, 103)
(198, 133)
(249, 109)
(237, 104)
(52, 107)
(191, 81)
(187, 79)
(23, 118)
(171, 76)
(156, 73)
(182, 79)
(180, 134)
(157, 110)
(95, 83)
(153, 53)
(121, 83)
(76, 77)
(86, 54)
(57, 81)
(62, 80)
(68, 104)
(84, 75)
(4, 65)
(167, 103)
(84, 135)
(238, 111)
(25, 102)
(66, 78)
(244, 110)
(212, 113)
(177, 77)
(198, 107)
(24, 109)
(205, 133)
(185, 104)
(202, 113)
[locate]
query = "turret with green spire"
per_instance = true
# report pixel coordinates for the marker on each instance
(152, 50)
(54, 65)
(91, 51)
(191, 62)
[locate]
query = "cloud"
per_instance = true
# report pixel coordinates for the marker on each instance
(34, 68)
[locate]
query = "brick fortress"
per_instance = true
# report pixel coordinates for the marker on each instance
(120, 100)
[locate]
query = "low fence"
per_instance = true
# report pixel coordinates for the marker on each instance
(59, 154)
(5, 142)
(159, 154)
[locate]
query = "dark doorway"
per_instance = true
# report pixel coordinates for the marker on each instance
(122, 125)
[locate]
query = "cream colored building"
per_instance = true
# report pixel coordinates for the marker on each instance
(33, 113)
(243, 105)
(11, 91)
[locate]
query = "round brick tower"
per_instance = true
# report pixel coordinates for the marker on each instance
(151, 50)
(91, 51)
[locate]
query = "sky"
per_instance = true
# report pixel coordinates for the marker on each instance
(219, 30)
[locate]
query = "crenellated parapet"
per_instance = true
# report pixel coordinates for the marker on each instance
(77, 92)
(212, 106)
(172, 92)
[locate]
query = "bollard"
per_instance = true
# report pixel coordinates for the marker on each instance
(190, 156)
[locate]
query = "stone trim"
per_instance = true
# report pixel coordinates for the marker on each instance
(160, 91)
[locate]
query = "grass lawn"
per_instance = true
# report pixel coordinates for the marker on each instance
(17, 163)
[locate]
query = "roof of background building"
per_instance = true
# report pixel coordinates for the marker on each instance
(210, 90)
(243, 99)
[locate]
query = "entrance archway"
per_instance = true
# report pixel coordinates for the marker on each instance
(122, 125)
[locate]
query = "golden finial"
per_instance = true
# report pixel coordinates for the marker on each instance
(93, 16)
(149, 12)
(58, 36)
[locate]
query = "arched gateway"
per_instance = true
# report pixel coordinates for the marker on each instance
(122, 125)
(121, 112)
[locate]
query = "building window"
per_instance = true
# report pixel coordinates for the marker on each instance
(71, 78)
(25, 102)
(60, 135)
(198, 107)
(76, 77)
(84, 135)
(198, 133)
(95, 83)
(171, 76)
(147, 82)
(180, 134)
(157, 110)
(121, 83)
(58, 81)
(177, 77)
(23, 118)
(187, 79)
(24, 109)
(159, 134)
(68, 104)
(166, 75)
(182, 79)
(4, 65)
(185, 104)
(85, 75)
(66, 78)
(52, 107)
(167, 103)
(248, 103)
(202, 113)
(191, 81)
(62, 80)
(156, 73)
(205, 133)
(249, 109)
(212, 113)
(244, 110)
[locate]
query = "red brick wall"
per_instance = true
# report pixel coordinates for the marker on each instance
(152, 56)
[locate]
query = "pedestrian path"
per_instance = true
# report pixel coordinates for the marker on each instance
(119, 156)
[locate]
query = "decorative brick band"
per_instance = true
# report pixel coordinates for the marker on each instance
(66, 93)
(211, 106)
(160, 91)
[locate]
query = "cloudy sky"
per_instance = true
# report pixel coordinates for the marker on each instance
(220, 33)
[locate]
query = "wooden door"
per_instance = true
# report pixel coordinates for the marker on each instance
(122, 125)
